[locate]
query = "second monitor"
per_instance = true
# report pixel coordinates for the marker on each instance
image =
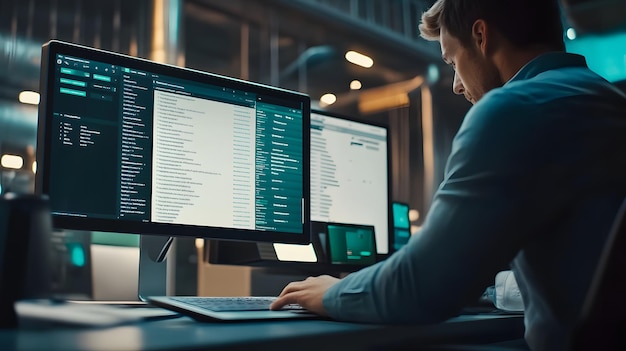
(350, 183)
(350, 180)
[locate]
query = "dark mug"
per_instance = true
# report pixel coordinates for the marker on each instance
(25, 247)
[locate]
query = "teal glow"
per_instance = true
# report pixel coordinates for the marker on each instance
(174, 11)
(606, 54)
(115, 239)
(77, 255)
(433, 73)
(401, 215)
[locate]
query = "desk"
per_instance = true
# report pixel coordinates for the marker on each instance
(183, 333)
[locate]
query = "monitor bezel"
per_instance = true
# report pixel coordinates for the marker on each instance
(44, 130)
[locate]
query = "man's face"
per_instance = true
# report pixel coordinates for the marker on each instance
(474, 74)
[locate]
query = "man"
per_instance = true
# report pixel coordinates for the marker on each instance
(536, 175)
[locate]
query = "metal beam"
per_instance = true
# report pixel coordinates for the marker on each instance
(377, 35)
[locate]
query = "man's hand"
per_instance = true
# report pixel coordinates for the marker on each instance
(307, 293)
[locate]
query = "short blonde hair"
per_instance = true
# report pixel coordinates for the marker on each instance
(430, 28)
(524, 23)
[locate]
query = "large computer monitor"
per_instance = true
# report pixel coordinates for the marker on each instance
(132, 146)
(350, 184)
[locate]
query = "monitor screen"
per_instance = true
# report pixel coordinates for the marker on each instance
(401, 224)
(351, 244)
(350, 180)
(128, 145)
(350, 184)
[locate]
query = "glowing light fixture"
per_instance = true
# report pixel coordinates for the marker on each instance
(571, 34)
(29, 97)
(34, 167)
(199, 243)
(297, 253)
(414, 215)
(12, 161)
(328, 99)
(355, 85)
(387, 97)
(359, 59)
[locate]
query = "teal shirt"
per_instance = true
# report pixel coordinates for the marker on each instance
(536, 174)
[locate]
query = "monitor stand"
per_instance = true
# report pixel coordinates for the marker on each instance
(154, 279)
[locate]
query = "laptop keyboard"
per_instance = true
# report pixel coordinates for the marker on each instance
(224, 304)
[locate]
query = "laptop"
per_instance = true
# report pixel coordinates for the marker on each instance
(206, 309)
(346, 245)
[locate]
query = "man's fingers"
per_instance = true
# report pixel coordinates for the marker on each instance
(291, 287)
(284, 299)
(287, 296)
(308, 293)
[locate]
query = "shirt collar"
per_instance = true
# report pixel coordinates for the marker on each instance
(546, 62)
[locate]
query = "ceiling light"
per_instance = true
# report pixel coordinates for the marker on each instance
(571, 34)
(355, 85)
(29, 97)
(328, 99)
(359, 59)
(12, 161)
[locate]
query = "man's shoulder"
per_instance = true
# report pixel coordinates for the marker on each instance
(503, 116)
(555, 86)
(499, 104)
(526, 97)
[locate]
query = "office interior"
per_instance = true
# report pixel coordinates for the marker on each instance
(293, 44)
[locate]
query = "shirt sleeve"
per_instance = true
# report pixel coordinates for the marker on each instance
(473, 228)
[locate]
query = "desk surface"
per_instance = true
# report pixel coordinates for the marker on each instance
(183, 333)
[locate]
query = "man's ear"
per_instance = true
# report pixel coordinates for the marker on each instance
(481, 37)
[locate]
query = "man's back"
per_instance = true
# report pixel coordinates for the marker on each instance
(575, 125)
(536, 173)
(535, 176)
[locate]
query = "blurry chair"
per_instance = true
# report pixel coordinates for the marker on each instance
(602, 322)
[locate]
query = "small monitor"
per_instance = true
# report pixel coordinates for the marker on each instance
(132, 146)
(351, 244)
(401, 224)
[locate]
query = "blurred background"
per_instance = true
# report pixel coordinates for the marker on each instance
(397, 78)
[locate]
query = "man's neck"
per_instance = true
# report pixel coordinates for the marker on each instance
(510, 60)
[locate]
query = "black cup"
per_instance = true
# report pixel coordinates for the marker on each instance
(25, 230)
